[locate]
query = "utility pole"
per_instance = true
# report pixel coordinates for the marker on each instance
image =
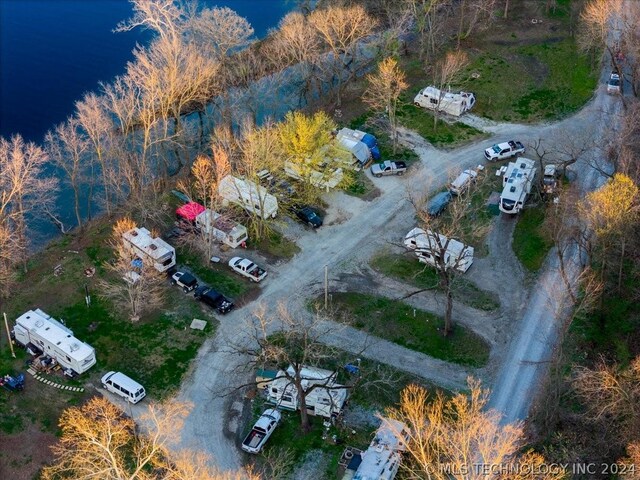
(326, 287)
(6, 324)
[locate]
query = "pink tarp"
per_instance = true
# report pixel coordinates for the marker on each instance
(190, 211)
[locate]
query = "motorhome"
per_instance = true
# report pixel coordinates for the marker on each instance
(369, 140)
(140, 242)
(39, 332)
(325, 401)
(222, 228)
(433, 98)
(517, 182)
(382, 459)
(253, 198)
(427, 247)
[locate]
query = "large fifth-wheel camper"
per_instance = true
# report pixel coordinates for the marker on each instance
(382, 459)
(517, 182)
(37, 331)
(140, 242)
(326, 400)
(455, 104)
(428, 246)
(253, 198)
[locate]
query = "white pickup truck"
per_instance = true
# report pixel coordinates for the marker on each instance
(261, 431)
(247, 268)
(502, 151)
(388, 168)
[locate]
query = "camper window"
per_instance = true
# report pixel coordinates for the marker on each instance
(167, 262)
(433, 100)
(257, 207)
(274, 390)
(287, 398)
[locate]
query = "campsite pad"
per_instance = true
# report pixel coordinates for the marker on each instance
(198, 324)
(492, 203)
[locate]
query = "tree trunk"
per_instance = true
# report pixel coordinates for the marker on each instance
(76, 199)
(448, 312)
(305, 424)
(621, 266)
(506, 8)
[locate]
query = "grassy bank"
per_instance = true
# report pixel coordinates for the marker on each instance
(408, 269)
(528, 244)
(415, 329)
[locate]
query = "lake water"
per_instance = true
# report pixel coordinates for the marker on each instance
(52, 51)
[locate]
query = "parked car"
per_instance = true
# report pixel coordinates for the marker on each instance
(613, 85)
(438, 203)
(308, 215)
(214, 299)
(261, 431)
(185, 280)
(248, 269)
(388, 168)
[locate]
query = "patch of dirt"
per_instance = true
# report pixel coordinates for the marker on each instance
(23, 454)
(311, 466)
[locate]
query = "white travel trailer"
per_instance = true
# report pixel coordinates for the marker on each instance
(222, 228)
(517, 182)
(325, 401)
(253, 198)
(331, 178)
(54, 339)
(428, 247)
(140, 242)
(462, 182)
(433, 98)
(382, 459)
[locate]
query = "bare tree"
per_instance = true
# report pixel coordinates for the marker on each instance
(99, 441)
(134, 286)
(163, 17)
(95, 119)
(435, 243)
(67, 147)
(595, 20)
(448, 71)
(612, 393)
(474, 15)
(291, 342)
(219, 31)
(23, 189)
(384, 90)
(428, 17)
(341, 30)
(454, 438)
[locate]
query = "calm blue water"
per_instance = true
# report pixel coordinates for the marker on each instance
(52, 51)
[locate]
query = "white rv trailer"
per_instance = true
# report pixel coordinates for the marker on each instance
(253, 198)
(433, 98)
(382, 459)
(140, 242)
(331, 178)
(55, 340)
(427, 248)
(325, 401)
(222, 228)
(517, 182)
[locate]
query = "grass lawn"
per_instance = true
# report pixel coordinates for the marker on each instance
(529, 83)
(443, 134)
(275, 245)
(395, 321)
(409, 269)
(217, 275)
(528, 243)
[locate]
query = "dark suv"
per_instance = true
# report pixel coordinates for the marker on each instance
(307, 215)
(214, 299)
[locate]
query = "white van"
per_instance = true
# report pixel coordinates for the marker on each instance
(122, 385)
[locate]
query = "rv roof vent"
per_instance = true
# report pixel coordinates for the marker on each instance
(74, 347)
(513, 189)
(39, 323)
(153, 246)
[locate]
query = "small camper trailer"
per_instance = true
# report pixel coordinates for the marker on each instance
(428, 249)
(325, 401)
(223, 229)
(433, 98)
(36, 330)
(253, 198)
